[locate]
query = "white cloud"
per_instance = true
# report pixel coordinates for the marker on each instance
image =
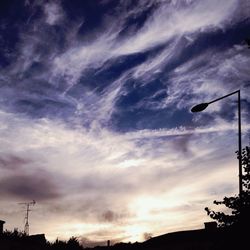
(72, 63)
(53, 13)
(154, 65)
(202, 78)
(90, 164)
(173, 19)
(168, 21)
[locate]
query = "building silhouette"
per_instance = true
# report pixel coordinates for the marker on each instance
(1, 226)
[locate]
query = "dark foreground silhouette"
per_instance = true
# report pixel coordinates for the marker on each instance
(207, 239)
(238, 204)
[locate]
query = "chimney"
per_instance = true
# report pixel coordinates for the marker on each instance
(1, 226)
(108, 243)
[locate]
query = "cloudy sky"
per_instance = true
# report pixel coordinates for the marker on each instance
(95, 120)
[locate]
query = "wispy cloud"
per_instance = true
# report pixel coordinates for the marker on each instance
(53, 13)
(202, 78)
(96, 124)
(166, 23)
(90, 164)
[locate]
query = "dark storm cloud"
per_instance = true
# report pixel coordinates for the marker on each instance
(181, 143)
(12, 162)
(37, 186)
(110, 216)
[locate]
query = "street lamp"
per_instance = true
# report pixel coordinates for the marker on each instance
(203, 106)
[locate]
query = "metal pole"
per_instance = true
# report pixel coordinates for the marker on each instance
(240, 148)
(239, 135)
(239, 138)
(218, 99)
(26, 226)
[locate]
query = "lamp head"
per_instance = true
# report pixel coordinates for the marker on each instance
(199, 107)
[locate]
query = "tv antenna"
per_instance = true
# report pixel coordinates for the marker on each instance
(26, 218)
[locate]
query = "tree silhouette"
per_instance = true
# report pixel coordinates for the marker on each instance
(74, 244)
(71, 244)
(147, 236)
(240, 208)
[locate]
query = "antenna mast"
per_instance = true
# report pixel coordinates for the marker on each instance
(26, 218)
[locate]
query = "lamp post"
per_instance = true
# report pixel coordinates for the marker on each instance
(203, 106)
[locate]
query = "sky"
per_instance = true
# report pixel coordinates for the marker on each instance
(95, 120)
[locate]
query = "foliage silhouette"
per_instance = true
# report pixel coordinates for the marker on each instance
(240, 215)
(18, 240)
(13, 234)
